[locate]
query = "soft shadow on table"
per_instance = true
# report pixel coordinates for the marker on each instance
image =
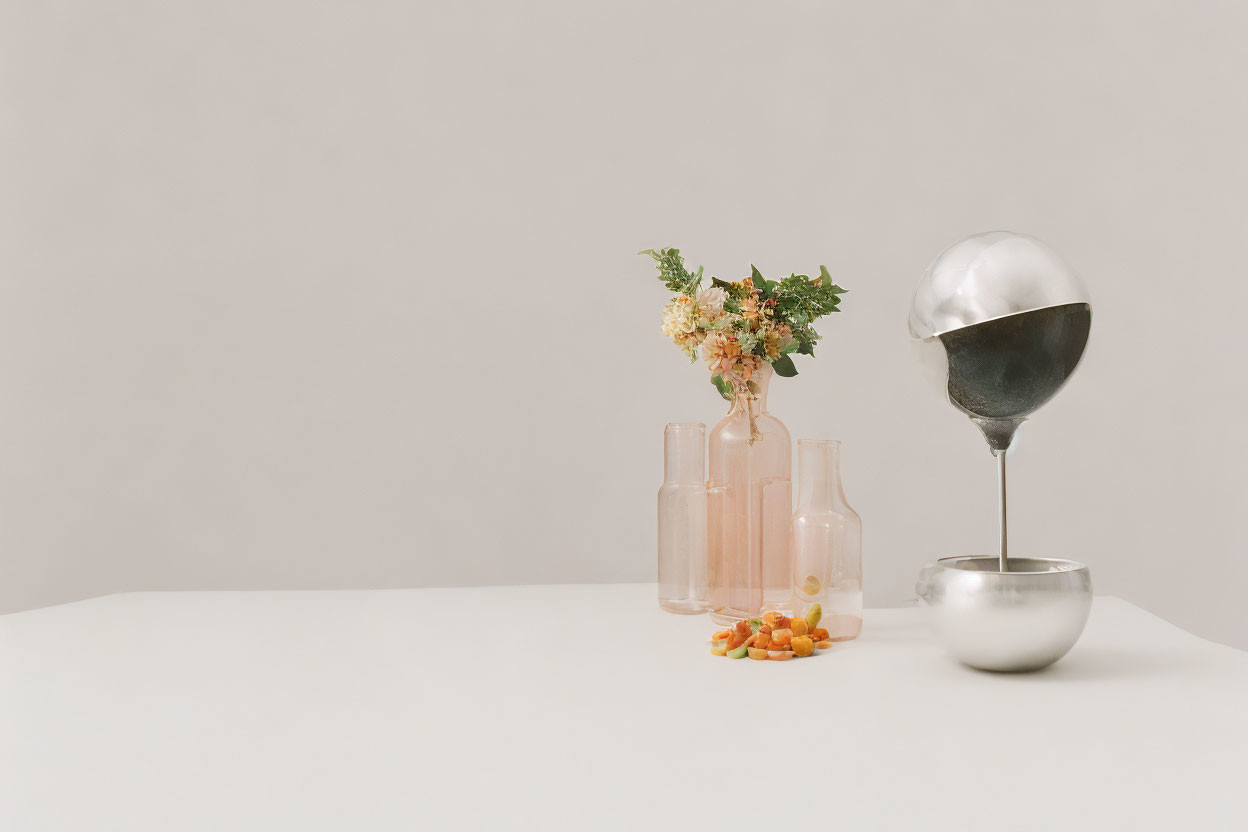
(1105, 664)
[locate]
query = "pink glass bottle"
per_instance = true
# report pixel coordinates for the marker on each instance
(749, 504)
(827, 542)
(682, 519)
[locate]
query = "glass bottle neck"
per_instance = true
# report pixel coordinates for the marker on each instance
(819, 474)
(756, 402)
(684, 446)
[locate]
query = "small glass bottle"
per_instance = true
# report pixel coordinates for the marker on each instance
(682, 520)
(827, 542)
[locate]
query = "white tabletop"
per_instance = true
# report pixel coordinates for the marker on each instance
(584, 707)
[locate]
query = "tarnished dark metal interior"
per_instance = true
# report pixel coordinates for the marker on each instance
(1007, 368)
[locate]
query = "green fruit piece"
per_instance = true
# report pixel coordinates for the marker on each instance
(739, 652)
(813, 615)
(755, 624)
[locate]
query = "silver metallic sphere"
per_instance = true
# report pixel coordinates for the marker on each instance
(1003, 321)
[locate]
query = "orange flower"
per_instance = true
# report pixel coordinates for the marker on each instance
(721, 353)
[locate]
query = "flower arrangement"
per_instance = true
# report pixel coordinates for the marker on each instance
(742, 325)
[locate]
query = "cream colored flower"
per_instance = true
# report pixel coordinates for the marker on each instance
(711, 302)
(680, 323)
(679, 317)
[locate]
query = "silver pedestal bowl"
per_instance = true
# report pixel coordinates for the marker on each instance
(1002, 321)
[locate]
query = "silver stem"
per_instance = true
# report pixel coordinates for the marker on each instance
(1005, 567)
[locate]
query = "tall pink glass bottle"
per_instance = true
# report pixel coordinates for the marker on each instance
(682, 520)
(749, 505)
(827, 542)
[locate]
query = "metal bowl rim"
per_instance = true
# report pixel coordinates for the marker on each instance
(1073, 565)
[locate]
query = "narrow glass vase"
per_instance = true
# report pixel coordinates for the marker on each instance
(749, 505)
(682, 520)
(827, 543)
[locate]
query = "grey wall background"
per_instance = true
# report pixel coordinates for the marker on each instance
(345, 294)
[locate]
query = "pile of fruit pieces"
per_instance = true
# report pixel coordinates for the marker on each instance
(773, 637)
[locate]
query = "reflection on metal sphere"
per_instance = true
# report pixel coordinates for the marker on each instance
(1011, 320)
